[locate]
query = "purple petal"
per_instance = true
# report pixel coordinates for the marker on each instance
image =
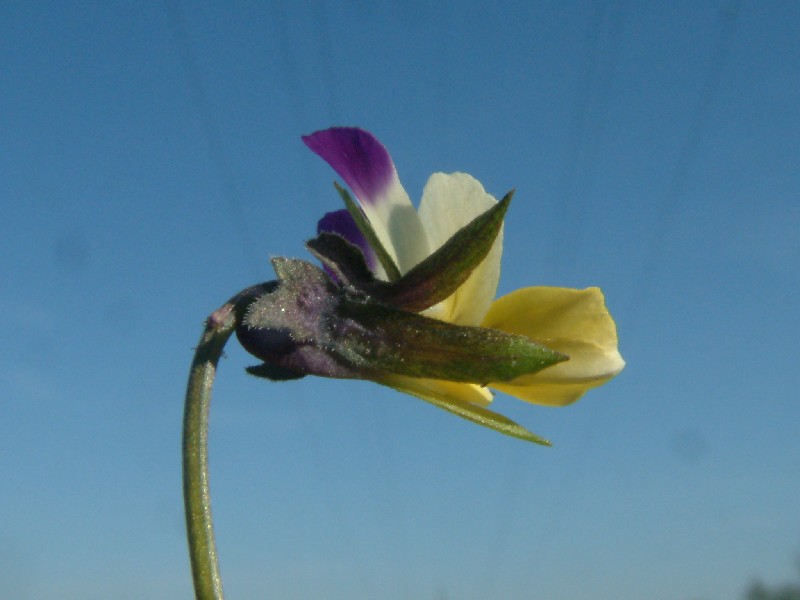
(340, 221)
(367, 169)
(358, 158)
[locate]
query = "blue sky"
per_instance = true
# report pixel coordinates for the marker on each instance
(150, 165)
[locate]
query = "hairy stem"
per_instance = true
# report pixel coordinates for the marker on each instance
(196, 491)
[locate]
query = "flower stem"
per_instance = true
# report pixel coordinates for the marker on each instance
(196, 492)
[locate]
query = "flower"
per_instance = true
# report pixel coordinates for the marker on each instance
(407, 299)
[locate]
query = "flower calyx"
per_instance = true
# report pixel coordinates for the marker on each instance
(352, 325)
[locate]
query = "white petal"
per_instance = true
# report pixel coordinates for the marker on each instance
(449, 202)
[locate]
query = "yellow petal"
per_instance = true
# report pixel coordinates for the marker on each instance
(449, 202)
(439, 389)
(575, 322)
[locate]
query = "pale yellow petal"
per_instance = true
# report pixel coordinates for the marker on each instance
(440, 389)
(449, 202)
(575, 322)
(535, 390)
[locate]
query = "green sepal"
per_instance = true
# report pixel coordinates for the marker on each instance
(478, 414)
(381, 339)
(429, 282)
(363, 224)
(444, 271)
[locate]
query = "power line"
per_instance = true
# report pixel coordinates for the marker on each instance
(597, 66)
(674, 198)
(569, 214)
(291, 65)
(213, 136)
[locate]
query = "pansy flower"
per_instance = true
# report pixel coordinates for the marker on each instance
(406, 298)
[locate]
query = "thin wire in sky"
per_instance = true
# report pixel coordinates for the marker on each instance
(386, 505)
(213, 135)
(292, 67)
(596, 68)
(669, 209)
(242, 231)
(673, 203)
(587, 129)
(578, 143)
(325, 56)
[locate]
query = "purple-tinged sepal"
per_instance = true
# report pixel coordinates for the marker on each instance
(341, 222)
(309, 325)
(346, 263)
(286, 328)
(274, 372)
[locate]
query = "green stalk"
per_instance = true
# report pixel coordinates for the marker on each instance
(196, 491)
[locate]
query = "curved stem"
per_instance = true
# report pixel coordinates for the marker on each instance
(196, 492)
